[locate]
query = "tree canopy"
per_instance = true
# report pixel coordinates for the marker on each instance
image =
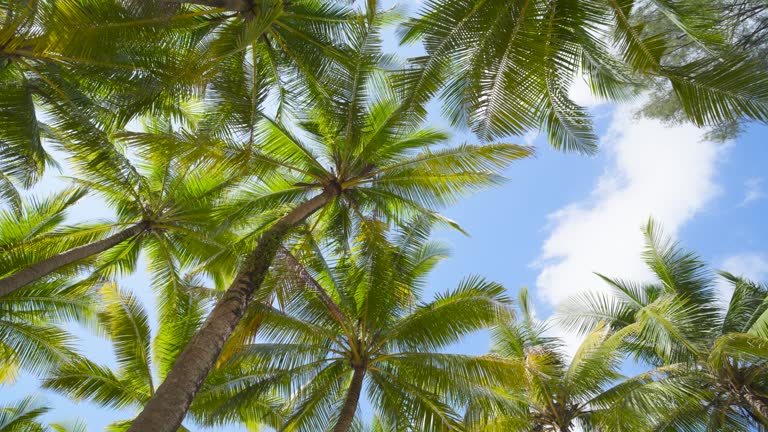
(279, 170)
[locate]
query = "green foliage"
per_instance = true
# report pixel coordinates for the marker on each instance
(123, 320)
(362, 310)
(709, 356)
(249, 108)
(505, 67)
(22, 416)
(552, 391)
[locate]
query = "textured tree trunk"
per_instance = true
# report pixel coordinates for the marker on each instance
(35, 271)
(167, 408)
(758, 405)
(350, 404)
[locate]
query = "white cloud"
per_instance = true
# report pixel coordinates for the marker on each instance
(752, 266)
(753, 190)
(664, 172)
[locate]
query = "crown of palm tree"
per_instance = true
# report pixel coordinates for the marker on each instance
(161, 204)
(354, 319)
(709, 356)
(554, 392)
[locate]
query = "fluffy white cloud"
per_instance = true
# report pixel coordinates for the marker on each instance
(664, 172)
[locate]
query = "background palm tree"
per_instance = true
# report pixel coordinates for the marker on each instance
(353, 324)
(72, 62)
(709, 355)
(357, 153)
(161, 205)
(554, 392)
(743, 24)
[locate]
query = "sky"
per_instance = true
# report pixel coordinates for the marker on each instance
(559, 218)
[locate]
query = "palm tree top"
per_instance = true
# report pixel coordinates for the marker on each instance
(361, 312)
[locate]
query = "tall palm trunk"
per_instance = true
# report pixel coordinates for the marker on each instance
(166, 410)
(35, 271)
(350, 404)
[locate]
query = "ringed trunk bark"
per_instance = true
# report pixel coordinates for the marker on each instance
(17, 280)
(350, 404)
(166, 409)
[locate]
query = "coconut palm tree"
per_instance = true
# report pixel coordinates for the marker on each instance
(37, 225)
(354, 152)
(555, 392)
(81, 62)
(709, 356)
(353, 325)
(160, 203)
(506, 66)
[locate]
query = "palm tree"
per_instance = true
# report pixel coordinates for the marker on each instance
(505, 66)
(356, 154)
(160, 205)
(554, 392)
(36, 226)
(142, 361)
(355, 322)
(709, 356)
(80, 63)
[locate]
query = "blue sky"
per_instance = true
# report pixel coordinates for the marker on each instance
(561, 217)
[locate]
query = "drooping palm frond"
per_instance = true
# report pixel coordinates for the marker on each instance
(506, 67)
(32, 337)
(23, 416)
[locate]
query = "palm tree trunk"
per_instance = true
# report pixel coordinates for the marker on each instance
(758, 406)
(350, 404)
(167, 408)
(47, 266)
